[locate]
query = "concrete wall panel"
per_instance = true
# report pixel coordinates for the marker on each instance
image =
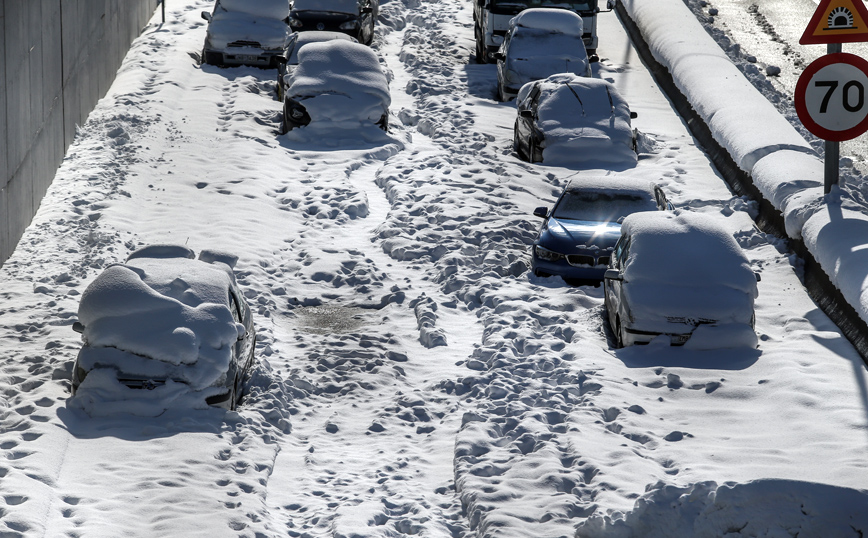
(57, 59)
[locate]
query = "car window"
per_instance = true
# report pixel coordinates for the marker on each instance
(600, 206)
(622, 248)
(235, 307)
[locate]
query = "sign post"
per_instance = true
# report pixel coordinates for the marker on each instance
(830, 94)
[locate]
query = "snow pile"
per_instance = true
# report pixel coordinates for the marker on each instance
(268, 9)
(551, 20)
(341, 83)
(770, 507)
(334, 6)
(228, 27)
(143, 319)
(584, 121)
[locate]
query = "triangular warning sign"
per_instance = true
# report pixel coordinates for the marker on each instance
(837, 21)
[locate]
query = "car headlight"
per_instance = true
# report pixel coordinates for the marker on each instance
(546, 254)
(295, 23)
(349, 25)
(511, 76)
(296, 113)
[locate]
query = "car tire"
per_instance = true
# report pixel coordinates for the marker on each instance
(516, 147)
(619, 334)
(500, 96)
(283, 129)
(533, 151)
(480, 47)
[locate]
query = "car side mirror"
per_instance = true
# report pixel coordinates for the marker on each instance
(541, 212)
(633, 115)
(593, 58)
(610, 4)
(613, 274)
(280, 59)
(78, 327)
(759, 277)
(366, 10)
(206, 16)
(526, 113)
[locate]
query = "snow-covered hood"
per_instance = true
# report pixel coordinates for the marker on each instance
(226, 28)
(687, 305)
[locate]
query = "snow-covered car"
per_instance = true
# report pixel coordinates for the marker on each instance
(566, 120)
(352, 17)
(679, 274)
(287, 62)
(166, 322)
(246, 32)
(540, 42)
(576, 238)
(336, 84)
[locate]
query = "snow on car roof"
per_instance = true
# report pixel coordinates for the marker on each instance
(685, 249)
(616, 184)
(339, 67)
(174, 310)
(272, 9)
(553, 20)
(584, 119)
(337, 6)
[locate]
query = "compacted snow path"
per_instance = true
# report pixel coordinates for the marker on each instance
(413, 377)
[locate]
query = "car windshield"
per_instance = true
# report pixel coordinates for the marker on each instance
(529, 44)
(601, 206)
(573, 6)
(336, 6)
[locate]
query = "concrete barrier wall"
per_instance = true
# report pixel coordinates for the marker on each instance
(57, 59)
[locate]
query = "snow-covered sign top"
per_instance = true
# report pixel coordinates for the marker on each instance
(272, 9)
(174, 310)
(336, 6)
(229, 26)
(339, 67)
(685, 249)
(552, 20)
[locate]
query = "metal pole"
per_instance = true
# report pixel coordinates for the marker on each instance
(833, 149)
(163, 2)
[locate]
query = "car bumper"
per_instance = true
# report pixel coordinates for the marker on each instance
(563, 269)
(253, 58)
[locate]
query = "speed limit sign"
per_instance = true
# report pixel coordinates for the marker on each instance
(832, 97)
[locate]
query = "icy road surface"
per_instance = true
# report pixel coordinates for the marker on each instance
(413, 378)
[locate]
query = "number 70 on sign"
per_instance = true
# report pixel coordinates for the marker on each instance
(830, 97)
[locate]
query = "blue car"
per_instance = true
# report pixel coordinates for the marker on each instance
(577, 236)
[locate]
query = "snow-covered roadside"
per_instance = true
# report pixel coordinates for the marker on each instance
(783, 166)
(361, 257)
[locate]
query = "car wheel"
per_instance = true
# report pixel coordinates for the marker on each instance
(500, 96)
(534, 154)
(480, 48)
(619, 334)
(283, 127)
(515, 145)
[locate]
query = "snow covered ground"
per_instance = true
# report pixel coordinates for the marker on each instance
(413, 377)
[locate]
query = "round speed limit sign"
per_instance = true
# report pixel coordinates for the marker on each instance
(832, 97)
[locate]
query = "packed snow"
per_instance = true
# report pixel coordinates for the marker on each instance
(412, 376)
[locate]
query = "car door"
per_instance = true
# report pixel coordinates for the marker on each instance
(613, 287)
(524, 130)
